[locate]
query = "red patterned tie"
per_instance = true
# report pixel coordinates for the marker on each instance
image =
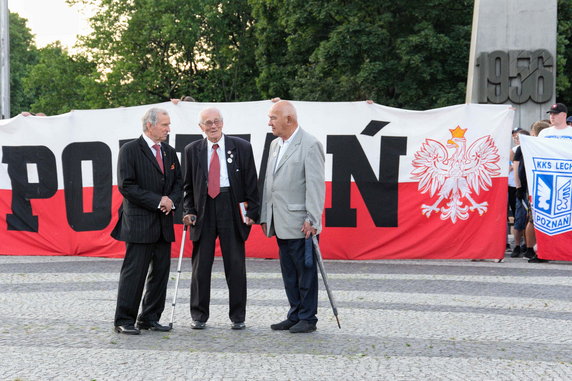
(214, 174)
(158, 156)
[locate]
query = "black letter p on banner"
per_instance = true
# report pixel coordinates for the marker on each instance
(23, 190)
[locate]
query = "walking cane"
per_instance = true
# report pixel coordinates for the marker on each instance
(320, 262)
(178, 275)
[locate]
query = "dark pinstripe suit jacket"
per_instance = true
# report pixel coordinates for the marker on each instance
(142, 185)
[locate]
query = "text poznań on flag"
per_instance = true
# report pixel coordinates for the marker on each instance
(400, 184)
(548, 165)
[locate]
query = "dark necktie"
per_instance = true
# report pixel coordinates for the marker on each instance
(214, 174)
(158, 156)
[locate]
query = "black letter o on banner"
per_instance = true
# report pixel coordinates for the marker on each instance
(100, 156)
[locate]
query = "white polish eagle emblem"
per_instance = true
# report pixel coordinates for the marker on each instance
(455, 172)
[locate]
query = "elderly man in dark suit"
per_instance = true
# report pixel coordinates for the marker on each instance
(219, 178)
(149, 178)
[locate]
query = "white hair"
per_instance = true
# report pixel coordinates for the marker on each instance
(152, 116)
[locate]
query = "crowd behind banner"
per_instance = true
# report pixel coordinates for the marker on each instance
(399, 184)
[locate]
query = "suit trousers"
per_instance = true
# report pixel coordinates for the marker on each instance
(145, 266)
(219, 222)
(300, 282)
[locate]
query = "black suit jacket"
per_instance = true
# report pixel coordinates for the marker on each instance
(142, 185)
(241, 174)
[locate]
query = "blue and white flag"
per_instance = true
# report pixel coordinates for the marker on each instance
(548, 165)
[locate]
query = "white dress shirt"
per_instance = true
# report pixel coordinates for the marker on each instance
(283, 146)
(222, 159)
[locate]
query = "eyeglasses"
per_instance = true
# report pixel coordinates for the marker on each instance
(210, 123)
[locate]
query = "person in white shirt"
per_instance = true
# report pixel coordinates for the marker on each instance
(558, 129)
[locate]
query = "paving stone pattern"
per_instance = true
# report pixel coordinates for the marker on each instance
(401, 320)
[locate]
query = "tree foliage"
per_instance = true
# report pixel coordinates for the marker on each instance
(23, 56)
(59, 82)
(564, 52)
(154, 50)
(409, 54)
(404, 54)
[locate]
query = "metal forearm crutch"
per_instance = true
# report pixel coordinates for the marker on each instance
(178, 275)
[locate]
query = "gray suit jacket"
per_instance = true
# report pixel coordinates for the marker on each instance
(296, 190)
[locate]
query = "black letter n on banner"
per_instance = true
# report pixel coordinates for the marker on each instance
(380, 196)
(17, 159)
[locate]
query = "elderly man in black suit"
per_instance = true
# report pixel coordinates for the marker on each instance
(149, 178)
(219, 178)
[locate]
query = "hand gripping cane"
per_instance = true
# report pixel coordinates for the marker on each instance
(178, 275)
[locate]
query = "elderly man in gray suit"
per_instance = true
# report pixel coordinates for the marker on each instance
(292, 205)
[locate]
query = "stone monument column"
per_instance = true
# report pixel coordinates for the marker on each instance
(513, 57)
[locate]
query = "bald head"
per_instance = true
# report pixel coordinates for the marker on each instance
(286, 108)
(283, 119)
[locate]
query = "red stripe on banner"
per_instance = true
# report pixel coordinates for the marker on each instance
(416, 237)
(55, 236)
(87, 195)
(421, 237)
(554, 248)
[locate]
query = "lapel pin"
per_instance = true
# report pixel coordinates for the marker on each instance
(172, 166)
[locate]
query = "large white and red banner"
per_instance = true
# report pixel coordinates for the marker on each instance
(400, 184)
(548, 165)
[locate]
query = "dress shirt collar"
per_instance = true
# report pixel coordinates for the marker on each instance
(220, 144)
(287, 142)
(149, 142)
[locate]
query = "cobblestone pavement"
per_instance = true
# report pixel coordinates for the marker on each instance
(401, 320)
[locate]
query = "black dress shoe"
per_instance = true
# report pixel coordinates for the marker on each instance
(303, 326)
(239, 325)
(198, 324)
(283, 325)
(127, 329)
(153, 326)
(537, 260)
(529, 253)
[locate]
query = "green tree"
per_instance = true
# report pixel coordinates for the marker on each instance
(409, 54)
(228, 47)
(154, 50)
(23, 56)
(564, 48)
(60, 82)
(403, 54)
